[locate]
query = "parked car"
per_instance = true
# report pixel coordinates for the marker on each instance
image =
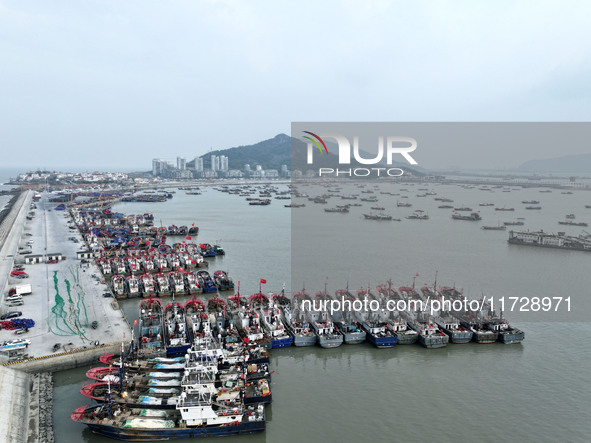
(52, 261)
(16, 272)
(17, 341)
(9, 315)
(21, 276)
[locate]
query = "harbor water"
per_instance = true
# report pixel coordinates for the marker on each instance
(534, 391)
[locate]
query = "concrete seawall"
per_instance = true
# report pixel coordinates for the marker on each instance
(64, 360)
(15, 387)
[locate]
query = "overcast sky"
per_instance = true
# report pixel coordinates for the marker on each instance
(113, 84)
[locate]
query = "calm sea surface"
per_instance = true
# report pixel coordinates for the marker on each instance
(536, 391)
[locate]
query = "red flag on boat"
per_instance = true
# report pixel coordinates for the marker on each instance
(263, 281)
(188, 238)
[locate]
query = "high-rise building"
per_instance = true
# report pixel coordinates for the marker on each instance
(214, 162)
(181, 163)
(157, 166)
(198, 164)
(223, 163)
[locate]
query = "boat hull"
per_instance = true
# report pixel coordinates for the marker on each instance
(484, 337)
(330, 342)
(301, 340)
(407, 339)
(129, 434)
(381, 342)
(459, 336)
(435, 341)
(354, 338)
(175, 351)
(281, 342)
(509, 338)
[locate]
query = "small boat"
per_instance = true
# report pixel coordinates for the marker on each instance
(495, 228)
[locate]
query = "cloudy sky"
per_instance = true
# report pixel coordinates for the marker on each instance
(112, 84)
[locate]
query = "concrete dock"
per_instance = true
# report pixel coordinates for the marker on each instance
(66, 296)
(65, 300)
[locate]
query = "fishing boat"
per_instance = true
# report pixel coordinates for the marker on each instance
(345, 321)
(133, 286)
(507, 333)
(296, 321)
(177, 282)
(457, 333)
(419, 214)
(196, 416)
(150, 325)
(274, 327)
(404, 335)
(375, 327)
(249, 325)
(430, 336)
(480, 333)
(206, 283)
(514, 223)
(191, 283)
(322, 325)
(118, 286)
(162, 284)
(474, 216)
(381, 217)
(176, 337)
(207, 250)
(495, 228)
(223, 281)
(572, 223)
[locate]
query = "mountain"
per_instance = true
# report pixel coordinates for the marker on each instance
(277, 151)
(568, 163)
(270, 154)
